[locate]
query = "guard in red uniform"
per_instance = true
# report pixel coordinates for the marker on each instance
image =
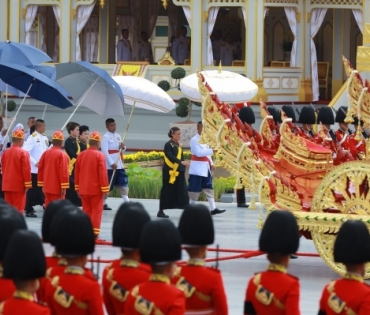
(91, 181)
(10, 221)
(343, 133)
(307, 118)
(73, 291)
(349, 295)
(16, 168)
(24, 263)
(53, 174)
(203, 286)
(357, 147)
(52, 209)
(276, 114)
(121, 275)
(160, 246)
(274, 292)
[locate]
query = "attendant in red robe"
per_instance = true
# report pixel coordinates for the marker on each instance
(160, 245)
(16, 168)
(357, 146)
(73, 291)
(53, 174)
(121, 275)
(91, 181)
(203, 286)
(274, 291)
(307, 117)
(350, 294)
(10, 221)
(24, 263)
(343, 133)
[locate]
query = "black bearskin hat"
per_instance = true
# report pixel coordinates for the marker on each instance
(160, 243)
(72, 233)
(128, 224)
(341, 114)
(280, 233)
(289, 111)
(51, 210)
(307, 116)
(24, 257)
(352, 245)
(275, 113)
(11, 220)
(196, 226)
(326, 116)
(246, 115)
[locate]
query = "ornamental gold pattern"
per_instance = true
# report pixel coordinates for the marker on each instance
(336, 2)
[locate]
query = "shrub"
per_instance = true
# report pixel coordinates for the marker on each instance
(164, 85)
(178, 73)
(11, 106)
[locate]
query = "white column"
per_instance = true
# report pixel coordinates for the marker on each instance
(3, 20)
(66, 36)
(14, 22)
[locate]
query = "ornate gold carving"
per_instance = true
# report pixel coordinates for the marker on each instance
(298, 15)
(363, 58)
(102, 3)
(308, 17)
(165, 3)
(336, 2)
(166, 60)
(283, 1)
(366, 38)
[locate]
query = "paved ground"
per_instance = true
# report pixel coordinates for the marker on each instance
(236, 228)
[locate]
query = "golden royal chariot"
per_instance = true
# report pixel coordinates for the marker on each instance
(298, 175)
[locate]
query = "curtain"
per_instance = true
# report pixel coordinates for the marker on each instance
(83, 14)
(358, 17)
(265, 10)
(245, 16)
(42, 12)
(124, 21)
(211, 23)
(31, 37)
(153, 9)
(90, 39)
(292, 20)
(56, 10)
(172, 18)
(135, 23)
(187, 11)
(317, 17)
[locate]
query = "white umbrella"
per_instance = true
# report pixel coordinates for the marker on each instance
(142, 93)
(230, 87)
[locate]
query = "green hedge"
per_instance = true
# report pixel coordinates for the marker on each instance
(146, 183)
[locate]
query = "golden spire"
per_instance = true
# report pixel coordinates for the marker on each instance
(220, 67)
(102, 3)
(165, 3)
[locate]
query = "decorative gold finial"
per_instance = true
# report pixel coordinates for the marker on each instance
(102, 3)
(220, 67)
(165, 3)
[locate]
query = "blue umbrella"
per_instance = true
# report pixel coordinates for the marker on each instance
(34, 84)
(22, 54)
(91, 87)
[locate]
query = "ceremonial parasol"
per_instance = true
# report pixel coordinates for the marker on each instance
(230, 87)
(90, 87)
(142, 93)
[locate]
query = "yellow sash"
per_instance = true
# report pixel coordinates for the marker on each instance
(174, 166)
(73, 160)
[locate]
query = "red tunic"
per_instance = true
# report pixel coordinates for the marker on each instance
(203, 288)
(356, 147)
(7, 288)
(272, 292)
(16, 168)
(91, 176)
(53, 173)
(22, 303)
(156, 295)
(343, 295)
(74, 292)
(342, 139)
(118, 279)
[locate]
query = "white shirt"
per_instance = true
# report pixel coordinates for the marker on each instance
(36, 145)
(112, 141)
(181, 49)
(143, 50)
(124, 51)
(200, 168)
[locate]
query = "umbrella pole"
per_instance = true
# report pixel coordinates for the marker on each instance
(123, 141)
(6, 105)
(15, 116)
(79, 104)
(43, 114)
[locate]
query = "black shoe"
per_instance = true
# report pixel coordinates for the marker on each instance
(106, 207)
(162, 215)
(217, 211)
(31, 215)
(293, 256)
(242, 205)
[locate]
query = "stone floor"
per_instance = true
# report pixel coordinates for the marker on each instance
(235, 229)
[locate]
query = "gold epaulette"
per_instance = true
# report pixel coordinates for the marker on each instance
(63, 298)
(188, 289)
(34, 134)
(74, 271)
(263, 295)
(336, 303)
(144, 306)
(129, 263)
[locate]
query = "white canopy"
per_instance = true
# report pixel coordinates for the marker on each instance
(229, 86)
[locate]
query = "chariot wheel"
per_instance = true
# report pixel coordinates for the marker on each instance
(344, 190)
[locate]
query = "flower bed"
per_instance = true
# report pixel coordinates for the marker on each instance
(153, 158)
(146, 183)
